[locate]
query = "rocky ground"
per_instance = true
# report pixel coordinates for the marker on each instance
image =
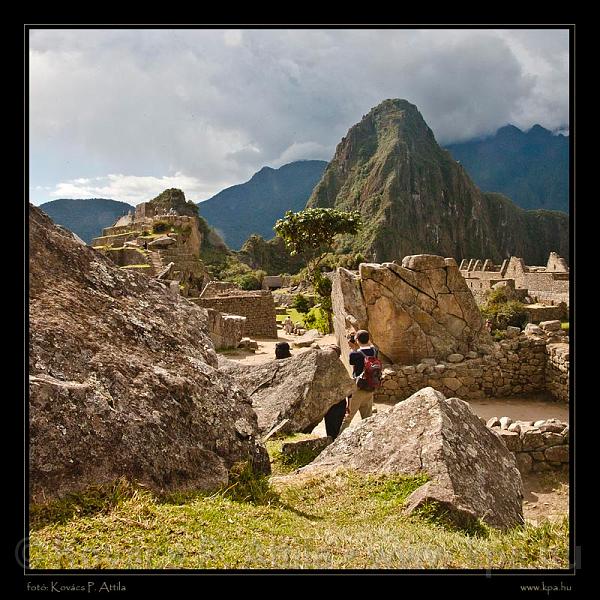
(546, 495)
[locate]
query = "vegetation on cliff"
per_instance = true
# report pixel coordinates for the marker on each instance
(252, 208)
(415, 198)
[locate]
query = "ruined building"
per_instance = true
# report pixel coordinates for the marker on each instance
(258, 306)
(429, 332)
(547, 285)
(162, 239)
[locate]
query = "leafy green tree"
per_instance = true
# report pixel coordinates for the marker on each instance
(311, 232)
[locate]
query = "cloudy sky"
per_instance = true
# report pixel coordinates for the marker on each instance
(125, 114)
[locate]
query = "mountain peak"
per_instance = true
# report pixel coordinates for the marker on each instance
(415, 198)
(539, 131)
(174, 198)
(509, 131)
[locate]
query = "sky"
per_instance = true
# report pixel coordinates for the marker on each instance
(125, 114)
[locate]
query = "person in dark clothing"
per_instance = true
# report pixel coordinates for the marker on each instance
(361, 400)
(282, 350)
(334, 417)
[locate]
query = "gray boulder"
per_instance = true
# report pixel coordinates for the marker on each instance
(473, 474)
(301, 388)
(307, 339)
(123, 379)
(420, 309)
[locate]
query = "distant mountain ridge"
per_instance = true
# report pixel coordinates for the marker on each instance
(253, 207)
(416, 199)
(531, 168)
(86, 217)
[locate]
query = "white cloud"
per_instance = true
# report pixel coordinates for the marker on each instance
(220, 104)
(233, 37)
(303, 151)
(130, 188)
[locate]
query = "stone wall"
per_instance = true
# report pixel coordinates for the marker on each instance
(213, 289)
(257, 306)
(225, 330)
(548, 284)
(541, 312)
(557, 371)
(127, 256)
(420, 308)
(538, 446)
(513, 367)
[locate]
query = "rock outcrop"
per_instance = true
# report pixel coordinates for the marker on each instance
(123, 379)
(300, 389)
(473, 474)
(415, 198)
(420, 309)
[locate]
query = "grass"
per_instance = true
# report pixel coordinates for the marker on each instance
(283, 465)
(565, 325)
(345, 520)
(297, 317)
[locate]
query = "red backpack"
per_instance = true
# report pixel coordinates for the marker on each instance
(370, 378)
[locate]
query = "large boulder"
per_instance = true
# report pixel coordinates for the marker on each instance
(299, 389)
(304, 341)
(473, 474)
(420, 309)
(123, 379)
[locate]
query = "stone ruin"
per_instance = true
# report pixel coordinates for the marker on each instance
(547, 285)
(161, 239)
(257, 306)
(429, 331)
(421, 308)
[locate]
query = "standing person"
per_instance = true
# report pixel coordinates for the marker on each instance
(335, 415)
(288, 325)
(361, 399)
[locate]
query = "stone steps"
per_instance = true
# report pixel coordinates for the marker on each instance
(156, 262)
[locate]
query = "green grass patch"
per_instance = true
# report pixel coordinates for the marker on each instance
(343, 520)
(297, 317)
(565, 326)
(282, 464)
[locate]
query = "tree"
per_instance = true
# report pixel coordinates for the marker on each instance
(311, 232)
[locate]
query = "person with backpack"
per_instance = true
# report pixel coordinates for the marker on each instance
(367, 369)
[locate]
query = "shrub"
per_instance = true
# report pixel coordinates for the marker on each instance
(248, 281)
(316, 318)
(503, 311)
(161, 226)
(301, 303)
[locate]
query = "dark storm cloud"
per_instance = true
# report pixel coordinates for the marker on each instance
(214, 106)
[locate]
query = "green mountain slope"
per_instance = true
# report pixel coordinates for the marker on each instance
(253, 207)
(415, 198)
(85, 217)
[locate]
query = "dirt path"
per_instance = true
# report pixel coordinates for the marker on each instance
(266, 348)
(545, 496)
